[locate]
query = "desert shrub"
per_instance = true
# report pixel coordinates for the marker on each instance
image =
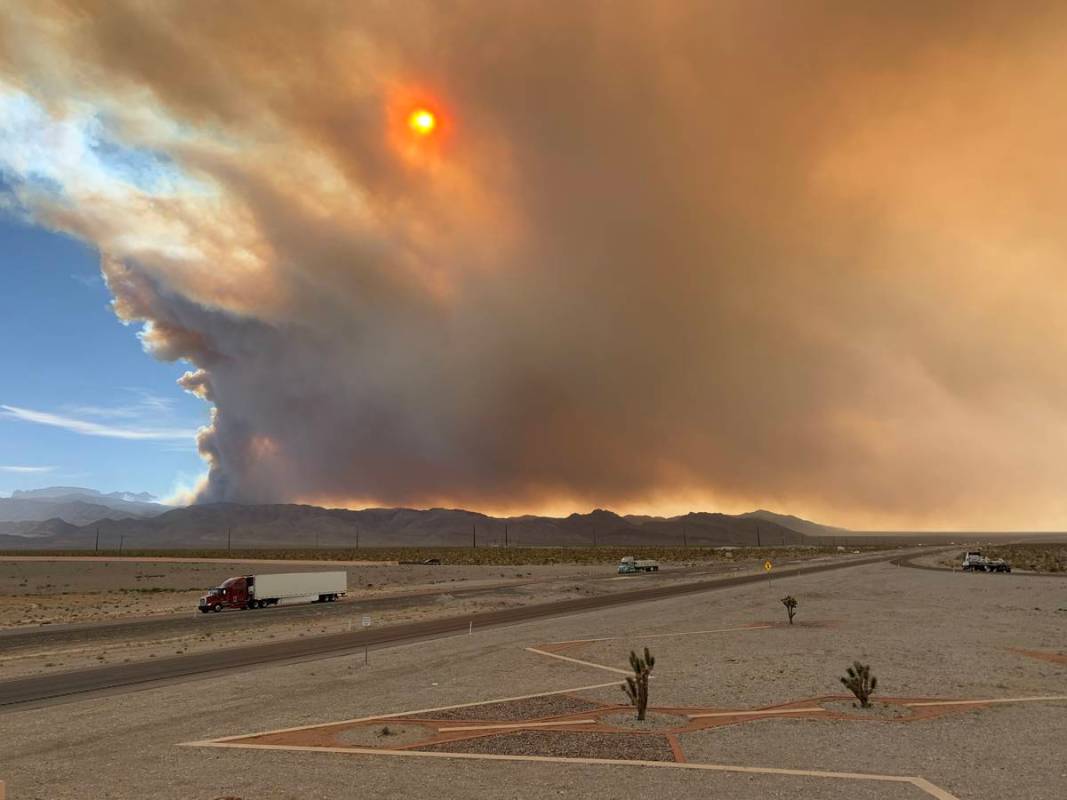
(860, 682)
(636, 687)
(790, 604)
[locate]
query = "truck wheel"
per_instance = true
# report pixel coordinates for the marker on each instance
(217, 607)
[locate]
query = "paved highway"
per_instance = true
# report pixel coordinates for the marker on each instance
(194, 621)
(162, 625)
(30, 692)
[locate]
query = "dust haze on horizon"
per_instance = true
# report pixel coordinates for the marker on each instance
(653, 257)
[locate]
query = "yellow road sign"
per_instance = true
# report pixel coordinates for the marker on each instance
(767, 565)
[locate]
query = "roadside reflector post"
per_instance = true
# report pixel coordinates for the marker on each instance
(470, 631)
(768, 566)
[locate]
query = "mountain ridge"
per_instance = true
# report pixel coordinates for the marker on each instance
(75, 505)
(214, 525)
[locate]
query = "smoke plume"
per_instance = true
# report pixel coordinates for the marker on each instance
(656, 256)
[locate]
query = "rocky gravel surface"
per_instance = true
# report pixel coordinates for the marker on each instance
(564, 744)
(528, 709)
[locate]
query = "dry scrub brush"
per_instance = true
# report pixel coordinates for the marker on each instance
(636, 687)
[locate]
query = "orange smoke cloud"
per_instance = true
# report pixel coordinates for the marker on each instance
(656, 256)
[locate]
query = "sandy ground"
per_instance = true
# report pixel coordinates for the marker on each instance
(924, 633)
(61, 592)
(36, 592)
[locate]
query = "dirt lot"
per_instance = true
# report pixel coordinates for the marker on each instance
(925, 634)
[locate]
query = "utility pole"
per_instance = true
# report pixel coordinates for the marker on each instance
(316, 540)
(357, 537)
(594, 537)
(229, 539)
(506, 545)
(685, 537)
(474, 535)
(97, 548)
(757, 537)
(122, 540)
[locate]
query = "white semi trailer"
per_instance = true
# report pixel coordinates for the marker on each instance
(628, 565)
(260, 591)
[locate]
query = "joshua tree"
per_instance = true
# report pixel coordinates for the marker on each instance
(790, 604)
(636, 688)
(861, 683)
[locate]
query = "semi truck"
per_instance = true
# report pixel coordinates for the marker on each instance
(629, 565)
(260, 591)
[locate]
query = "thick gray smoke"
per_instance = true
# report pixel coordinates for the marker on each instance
(656, 256)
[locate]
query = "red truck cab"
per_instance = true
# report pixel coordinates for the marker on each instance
(233, 593)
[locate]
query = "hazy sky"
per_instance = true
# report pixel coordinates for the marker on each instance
(654, 256)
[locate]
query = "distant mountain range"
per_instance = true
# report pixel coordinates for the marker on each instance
(72, 518)
(60, 492)
(73, 505)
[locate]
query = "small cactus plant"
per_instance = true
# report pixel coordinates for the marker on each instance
(861, 683)
(636, 688)
(790, 604)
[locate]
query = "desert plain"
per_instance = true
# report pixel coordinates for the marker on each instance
(971, 700)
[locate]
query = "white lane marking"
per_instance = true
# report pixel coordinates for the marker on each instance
(517, 725)
(404, 713)
(768, 711)
(920, 783)
(579, 661)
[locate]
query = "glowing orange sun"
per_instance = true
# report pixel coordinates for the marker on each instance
(422, 122)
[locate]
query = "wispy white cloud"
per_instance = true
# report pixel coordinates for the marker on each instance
(89, 428)
(145, 406)
(23, 469)
(92, 281)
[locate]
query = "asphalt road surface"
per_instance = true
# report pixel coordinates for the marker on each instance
(30, 692)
